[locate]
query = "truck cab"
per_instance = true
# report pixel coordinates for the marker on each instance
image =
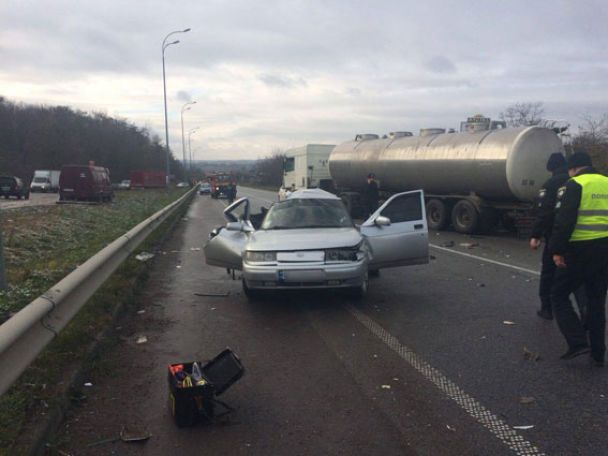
(306, 167)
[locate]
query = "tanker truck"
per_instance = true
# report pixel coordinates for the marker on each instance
(472, 179)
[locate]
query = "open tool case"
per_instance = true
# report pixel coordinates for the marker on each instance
(192, 398)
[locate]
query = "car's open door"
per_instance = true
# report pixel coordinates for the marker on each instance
(225, 246)
(397, 232)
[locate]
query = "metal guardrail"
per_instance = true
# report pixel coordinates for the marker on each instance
(29, 331)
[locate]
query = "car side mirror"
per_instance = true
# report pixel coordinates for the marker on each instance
(382, 221)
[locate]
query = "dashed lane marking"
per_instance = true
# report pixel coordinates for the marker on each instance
(469, 404)
(486, 260)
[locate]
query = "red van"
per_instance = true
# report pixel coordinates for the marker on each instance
(82, 182)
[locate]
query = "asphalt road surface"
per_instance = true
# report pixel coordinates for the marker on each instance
(36, 199)
(431, 362)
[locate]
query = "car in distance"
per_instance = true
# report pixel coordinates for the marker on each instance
(204, 189)
(182, 185)
(45, 180)
(309, 241)
(124, 185)
(13, 186)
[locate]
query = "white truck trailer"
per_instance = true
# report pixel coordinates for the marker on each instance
(306, 167)
(45, 180)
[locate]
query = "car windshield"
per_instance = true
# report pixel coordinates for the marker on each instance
(6, 180)
(41, 180)
(307, 213)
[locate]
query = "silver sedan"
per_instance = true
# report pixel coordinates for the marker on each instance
(309, 241)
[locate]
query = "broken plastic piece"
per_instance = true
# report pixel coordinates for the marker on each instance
(144, 256)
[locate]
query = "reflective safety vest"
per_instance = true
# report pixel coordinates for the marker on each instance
(592, 221)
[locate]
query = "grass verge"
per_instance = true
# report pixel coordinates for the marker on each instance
(42, 245)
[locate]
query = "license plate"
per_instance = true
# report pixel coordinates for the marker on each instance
(301, 275)
(300, 257)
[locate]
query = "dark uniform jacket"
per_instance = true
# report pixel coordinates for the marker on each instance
(547, 199)
(372, 193)
(568, 201)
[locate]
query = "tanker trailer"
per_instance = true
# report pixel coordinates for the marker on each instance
(471, 179)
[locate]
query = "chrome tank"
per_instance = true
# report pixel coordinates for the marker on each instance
(500, 165)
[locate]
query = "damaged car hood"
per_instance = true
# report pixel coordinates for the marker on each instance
(304, 239)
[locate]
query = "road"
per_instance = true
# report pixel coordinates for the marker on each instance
(36, 199)
(424, 365)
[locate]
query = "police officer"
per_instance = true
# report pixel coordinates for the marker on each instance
(579, 245)
(543, 224)
(372, 195)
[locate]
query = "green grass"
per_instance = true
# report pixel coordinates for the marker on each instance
(42, 245)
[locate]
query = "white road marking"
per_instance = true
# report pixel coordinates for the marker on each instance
(485, 417)
(486, 260)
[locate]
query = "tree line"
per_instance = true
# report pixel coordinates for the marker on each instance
(47, 137)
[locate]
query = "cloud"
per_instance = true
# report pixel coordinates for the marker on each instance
(184, 96)
(440, 64)
(279, 74)
(285, 82)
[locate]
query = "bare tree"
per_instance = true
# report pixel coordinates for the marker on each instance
(523, 114)
(593, 131)
(592, 137)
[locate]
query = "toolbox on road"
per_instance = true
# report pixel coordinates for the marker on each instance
(193, 387)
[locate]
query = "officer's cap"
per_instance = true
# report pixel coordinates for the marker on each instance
(579, 160)
(556, 160)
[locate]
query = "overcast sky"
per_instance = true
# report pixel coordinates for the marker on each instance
(268, 75)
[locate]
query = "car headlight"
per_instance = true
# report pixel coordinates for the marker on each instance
(341, 255)
(260, 257)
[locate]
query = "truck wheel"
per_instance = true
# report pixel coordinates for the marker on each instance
(436, 214)
(465, 218)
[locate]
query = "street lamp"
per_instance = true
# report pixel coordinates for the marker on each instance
(165, 46)
(183, 140)
(190, 145)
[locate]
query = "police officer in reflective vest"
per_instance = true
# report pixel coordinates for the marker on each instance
(579, 245)
(543, 224)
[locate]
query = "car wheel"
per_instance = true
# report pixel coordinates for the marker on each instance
(360, 291)
(252, 295)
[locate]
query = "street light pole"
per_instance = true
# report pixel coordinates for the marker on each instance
(190, 145)
(183, 139)
(165, 46)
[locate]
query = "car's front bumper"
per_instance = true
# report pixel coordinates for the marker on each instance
(304, 276)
